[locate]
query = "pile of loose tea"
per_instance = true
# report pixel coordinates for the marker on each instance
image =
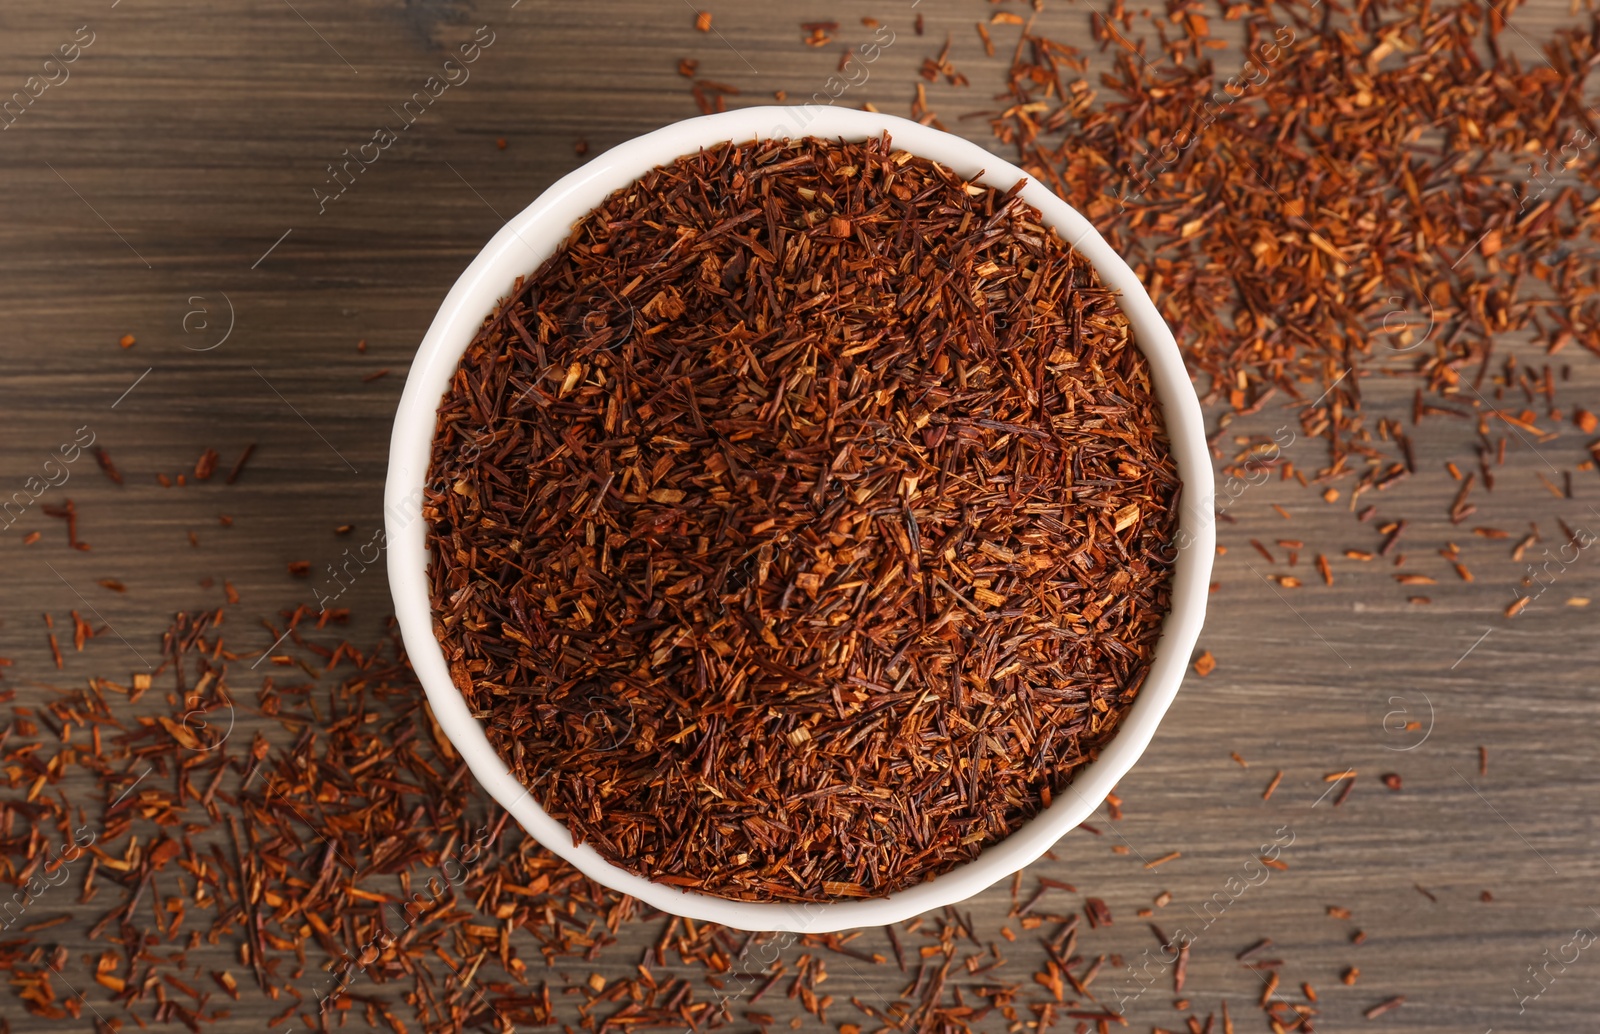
(804, 523)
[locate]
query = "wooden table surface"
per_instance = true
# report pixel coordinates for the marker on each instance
(169, 189)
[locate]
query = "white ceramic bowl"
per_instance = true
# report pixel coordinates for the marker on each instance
(530, 238)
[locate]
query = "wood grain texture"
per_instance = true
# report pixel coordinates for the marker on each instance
(144, 195)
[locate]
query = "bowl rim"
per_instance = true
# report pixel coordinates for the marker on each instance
(523, 244)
